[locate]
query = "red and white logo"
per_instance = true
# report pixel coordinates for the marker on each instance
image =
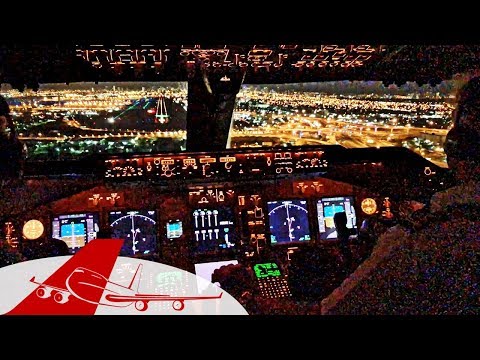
(97, 281)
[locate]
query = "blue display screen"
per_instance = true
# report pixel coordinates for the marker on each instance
(174, 229)
(288, 221)
(327, 208)
(76, 230)
(331, 210)
(73, 229)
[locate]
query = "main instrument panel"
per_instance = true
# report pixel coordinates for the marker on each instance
(248, 206)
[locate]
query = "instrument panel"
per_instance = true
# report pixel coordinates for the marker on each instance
(255, 207)
(210, 167)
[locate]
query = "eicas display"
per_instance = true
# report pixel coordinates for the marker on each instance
(213, 228)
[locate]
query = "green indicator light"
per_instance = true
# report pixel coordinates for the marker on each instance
(266, 270)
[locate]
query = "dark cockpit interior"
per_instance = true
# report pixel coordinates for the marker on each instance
(239, 157)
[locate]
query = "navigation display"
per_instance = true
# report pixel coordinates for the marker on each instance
(137, 229)
(288, 221)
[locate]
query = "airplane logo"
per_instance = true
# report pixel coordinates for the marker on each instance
(81, 280)
(86, 284)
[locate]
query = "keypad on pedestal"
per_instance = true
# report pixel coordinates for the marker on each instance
(274, 287)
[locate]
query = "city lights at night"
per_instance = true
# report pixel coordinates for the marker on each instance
(79, 119)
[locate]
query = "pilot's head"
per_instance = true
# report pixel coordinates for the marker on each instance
(4, 114)
(467, 112)
(462, 145)
(340, 220)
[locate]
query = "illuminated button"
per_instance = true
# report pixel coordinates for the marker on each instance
(228, 159)
(167, 162)
(207, 160)
(189, 161)
(33, 229)
(369, 206)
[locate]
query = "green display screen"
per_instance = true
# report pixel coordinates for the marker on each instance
(266, 270)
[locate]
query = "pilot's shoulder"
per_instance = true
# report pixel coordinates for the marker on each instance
(460, 194)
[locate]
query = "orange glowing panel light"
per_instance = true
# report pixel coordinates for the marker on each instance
(369, 206)
(33, 229)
